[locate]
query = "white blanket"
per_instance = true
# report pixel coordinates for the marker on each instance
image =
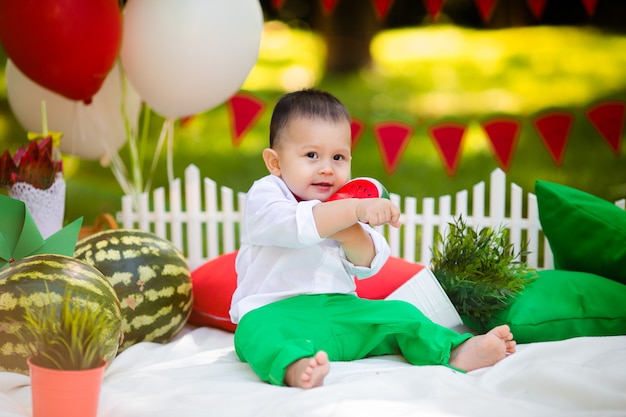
(198, 374)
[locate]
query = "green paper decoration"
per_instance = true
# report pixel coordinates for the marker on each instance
(20, 237)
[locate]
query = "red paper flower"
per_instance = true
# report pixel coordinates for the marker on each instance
(35, 164)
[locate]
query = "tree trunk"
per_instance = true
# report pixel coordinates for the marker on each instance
(347, 32)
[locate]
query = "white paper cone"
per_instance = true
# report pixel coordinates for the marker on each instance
(424, 291)
(46, 207)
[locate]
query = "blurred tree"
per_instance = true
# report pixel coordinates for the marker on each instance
(348, 29)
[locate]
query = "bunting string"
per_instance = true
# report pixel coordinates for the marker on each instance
(434, 8)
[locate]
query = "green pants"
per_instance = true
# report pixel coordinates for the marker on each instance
(346, 327)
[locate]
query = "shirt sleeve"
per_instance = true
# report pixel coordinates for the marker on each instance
(382, 254)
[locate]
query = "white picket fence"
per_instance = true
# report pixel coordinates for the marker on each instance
(204, 224)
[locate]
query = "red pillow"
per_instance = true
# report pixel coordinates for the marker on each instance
(392, 275)
(215, 281)
(213, 285)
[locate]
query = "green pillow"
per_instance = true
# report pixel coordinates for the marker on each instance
(586, 233)
(564, 304)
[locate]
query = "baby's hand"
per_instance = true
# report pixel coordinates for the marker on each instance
(378, 211)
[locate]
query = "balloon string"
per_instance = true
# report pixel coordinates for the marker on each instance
(117, 165)
(78, 125)
(132, 137)
(44, 118)
(145, 130)
(130, 187)
(170, 151)
(121, 175)
(157, 152)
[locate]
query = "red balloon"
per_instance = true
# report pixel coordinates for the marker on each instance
(67, 46)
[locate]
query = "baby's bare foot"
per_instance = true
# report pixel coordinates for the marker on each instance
(308, 372)
(484, 350)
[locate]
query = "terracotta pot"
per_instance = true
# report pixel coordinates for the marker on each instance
(60, 393)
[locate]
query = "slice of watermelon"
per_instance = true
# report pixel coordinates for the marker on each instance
(362, 187)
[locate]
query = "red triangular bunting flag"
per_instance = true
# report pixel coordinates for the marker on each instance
(448, 137)
(244, 111)
(434, 7)
(554, 129)
(590, 6)
(485, 8)
(503, 133)
(392, 139)
(328, 6)
(608, 119)
(277, 4)
(382, 7)
(536, 7)
(357, 127)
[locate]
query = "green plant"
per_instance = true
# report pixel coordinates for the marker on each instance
(479, 270)
(68, 334)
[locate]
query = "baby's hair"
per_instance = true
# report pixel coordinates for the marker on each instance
(309, 103)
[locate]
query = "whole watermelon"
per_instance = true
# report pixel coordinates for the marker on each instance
(32, 282)
(151, 279)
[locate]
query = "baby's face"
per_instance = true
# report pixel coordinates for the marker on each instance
(315, 157)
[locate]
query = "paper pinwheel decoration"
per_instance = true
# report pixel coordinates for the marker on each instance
(20, 237)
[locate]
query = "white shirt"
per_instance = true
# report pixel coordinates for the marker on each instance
(282, 255)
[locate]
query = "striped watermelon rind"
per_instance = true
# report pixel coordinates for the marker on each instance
(150, 277)
(40, 279)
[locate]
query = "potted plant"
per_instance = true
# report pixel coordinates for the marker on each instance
(67, 339)
(479, 270)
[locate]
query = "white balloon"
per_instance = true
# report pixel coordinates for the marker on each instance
(89, 131)
(187, 56)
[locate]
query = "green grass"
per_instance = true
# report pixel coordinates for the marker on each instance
(419, 76)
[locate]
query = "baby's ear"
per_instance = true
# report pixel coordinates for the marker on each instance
(270, 156)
